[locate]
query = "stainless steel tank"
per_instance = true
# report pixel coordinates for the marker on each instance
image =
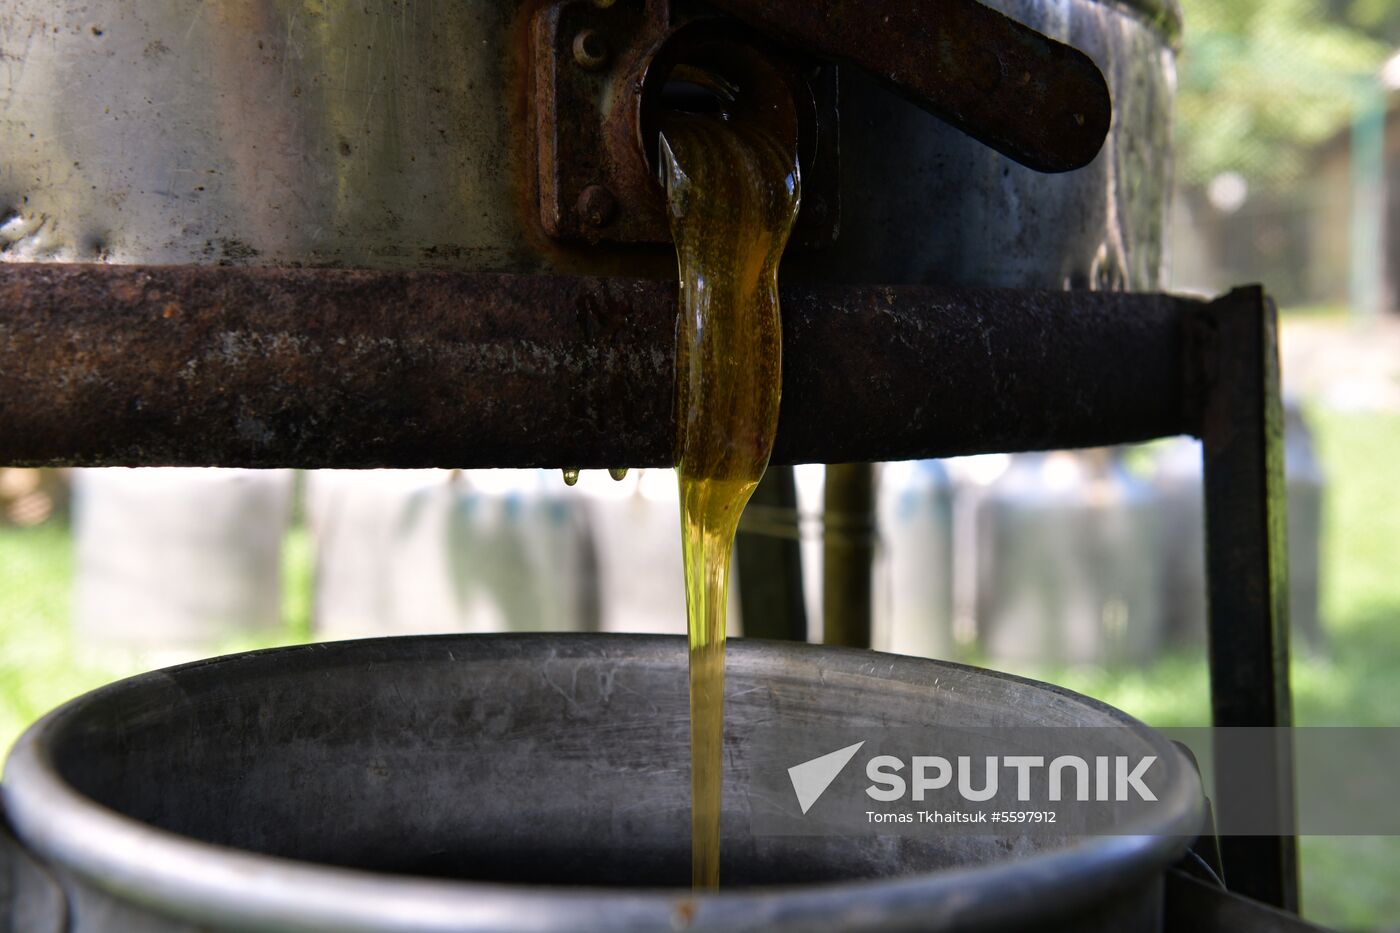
(519, 782)
(397, 134)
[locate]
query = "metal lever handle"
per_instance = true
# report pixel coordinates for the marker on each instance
(1031, 98)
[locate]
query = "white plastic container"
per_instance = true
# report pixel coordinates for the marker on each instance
(1177, 478)
(636, 524)
(1068, 568)
(420, 551)
(914, 570)
(175, 559)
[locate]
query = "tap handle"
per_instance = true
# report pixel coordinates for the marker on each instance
(1040, 102)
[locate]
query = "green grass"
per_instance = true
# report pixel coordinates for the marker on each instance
(1349, 883)
(38, 669)
(1355, 679)
(40, 664)
(1354, 883)
(1329, 312)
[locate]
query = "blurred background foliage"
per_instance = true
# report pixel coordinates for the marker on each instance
(1262, 82)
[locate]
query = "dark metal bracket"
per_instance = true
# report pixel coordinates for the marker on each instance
(1234, 346)
(1196, 906)
(1031, 98)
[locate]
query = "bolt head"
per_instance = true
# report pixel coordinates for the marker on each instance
(590, 49)
(596, 206)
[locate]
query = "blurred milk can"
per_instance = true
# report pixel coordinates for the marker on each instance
(1068, 562)
(914, 577)
(1177, 476)
(178, 559)
(29, 496)
(416, 551)
(636, 525)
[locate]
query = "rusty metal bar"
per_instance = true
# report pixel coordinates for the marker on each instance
(264, 367)
(1196, 906)
(1234, 344)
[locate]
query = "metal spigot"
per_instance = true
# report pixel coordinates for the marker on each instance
(598, 71)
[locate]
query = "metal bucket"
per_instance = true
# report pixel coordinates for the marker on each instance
(518, 782)
(397, 134)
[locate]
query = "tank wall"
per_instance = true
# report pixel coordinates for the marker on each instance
(924, 204)
(395, 134)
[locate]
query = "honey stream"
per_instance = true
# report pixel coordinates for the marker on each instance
(732, 192)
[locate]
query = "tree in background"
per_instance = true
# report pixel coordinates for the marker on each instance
(1378, 18)
(1262, 82)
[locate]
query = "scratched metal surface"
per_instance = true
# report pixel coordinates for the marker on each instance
(395, 134)
(174, 131)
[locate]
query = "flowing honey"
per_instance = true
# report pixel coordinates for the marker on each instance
(732, 191)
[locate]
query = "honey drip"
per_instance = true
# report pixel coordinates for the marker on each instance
(732, 192)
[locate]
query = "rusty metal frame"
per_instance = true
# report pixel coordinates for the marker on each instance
(274, 367)
(1197, 906)
(587, 64)
(1234, 346)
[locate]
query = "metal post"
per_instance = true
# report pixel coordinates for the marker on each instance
(848, 554)
(768, 555)
(1235, 344)
(1367, 291)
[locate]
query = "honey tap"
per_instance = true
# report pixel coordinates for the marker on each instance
(600, 72)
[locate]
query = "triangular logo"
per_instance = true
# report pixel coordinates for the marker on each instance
(811, 778)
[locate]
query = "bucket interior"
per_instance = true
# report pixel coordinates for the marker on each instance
(548, 760)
